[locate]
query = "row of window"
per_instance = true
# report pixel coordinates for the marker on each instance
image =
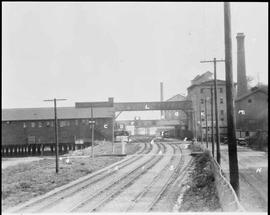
(221, 101)
(220, 90)
(62, 123)
(221, 119)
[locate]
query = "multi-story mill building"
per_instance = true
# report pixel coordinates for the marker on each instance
(199, 92)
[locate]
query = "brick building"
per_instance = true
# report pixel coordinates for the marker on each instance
(25, 129)
(252, 110)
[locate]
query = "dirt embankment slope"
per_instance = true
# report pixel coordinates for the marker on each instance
(200, 191)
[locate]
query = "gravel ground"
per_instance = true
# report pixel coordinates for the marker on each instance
(27, 180)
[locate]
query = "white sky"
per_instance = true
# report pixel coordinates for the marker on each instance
(91, 51)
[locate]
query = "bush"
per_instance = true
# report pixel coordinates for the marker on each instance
(25, 185)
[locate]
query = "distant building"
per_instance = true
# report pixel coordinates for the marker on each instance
(200, 90)
(179, 115)
(252, 110)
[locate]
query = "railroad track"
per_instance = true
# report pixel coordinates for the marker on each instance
(138, 201)
(153, 168)
(144, 200)
(55, 197)
(106, 194)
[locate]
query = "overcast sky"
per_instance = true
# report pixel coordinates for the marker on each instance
(91, 51)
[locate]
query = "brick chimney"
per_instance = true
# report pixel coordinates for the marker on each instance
(241, 66)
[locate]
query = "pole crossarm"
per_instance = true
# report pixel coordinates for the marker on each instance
(211, 61)
(51, 100)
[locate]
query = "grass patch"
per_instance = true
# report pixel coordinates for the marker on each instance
(27, 180)
(201, 194)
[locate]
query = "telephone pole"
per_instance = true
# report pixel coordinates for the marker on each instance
(212, 123)
(113, 122)
(55, 131)
(201, 124)
(216, 106)
(232, 146)
(92, 135)
(206, 130)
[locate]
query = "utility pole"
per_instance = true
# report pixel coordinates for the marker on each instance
(161, 99)
(206, 131)
(195, 123)
(92, 135)
(216, 106)
(113, 120)
(232, 146)
(201, 124)
(212, 123)
(55, 131)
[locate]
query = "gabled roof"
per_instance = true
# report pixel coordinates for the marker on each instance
(207, 74)
(251, 93)
(177, 96)
(17, 114)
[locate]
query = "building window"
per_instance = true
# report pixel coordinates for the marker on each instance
(221, 100)
(48, 124)
(39, 124)
(201, 90)
(24, 125)
(221, 112)
(8, 122)
(76, 122)
(249, 101)
(52, 123)
(221, 90)
(33, 124)
(64, 123)
(85, 122)
(201, 101)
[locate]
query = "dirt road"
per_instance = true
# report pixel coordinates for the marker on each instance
(253, 177)
(139, 183)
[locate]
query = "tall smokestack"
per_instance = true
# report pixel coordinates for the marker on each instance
(241, 66)
(161, 98)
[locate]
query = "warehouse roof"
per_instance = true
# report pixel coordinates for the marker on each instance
(17, 114)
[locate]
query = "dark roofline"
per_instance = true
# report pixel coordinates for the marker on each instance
(251, 93)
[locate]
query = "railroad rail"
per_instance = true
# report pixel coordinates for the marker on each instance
(156, 166)
(53, 198)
